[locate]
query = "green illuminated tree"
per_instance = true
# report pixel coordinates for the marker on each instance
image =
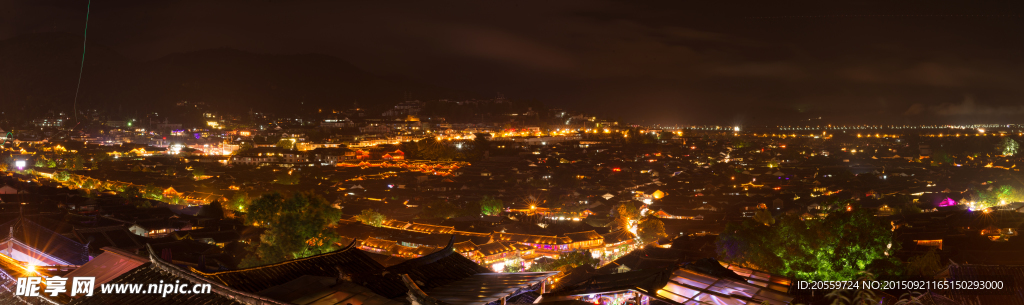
(175, 199)
(625, 213)
(286, 144)
(239, 202)
(764, 216)
(198, 172)
(89, 184)
(288, 178)
(371, 218)
(651, 229)
(296, 227)
(491, 206)
(1009, 146)
(41, 161)
(738, 142)
(446, 209)
(243, 147)
(132, 195)
(76, 163)
(513, 267)
(568, 261)
(941, 156)
(153, 192)
(998, 195)
(834, 248)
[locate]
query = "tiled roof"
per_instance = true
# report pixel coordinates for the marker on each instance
(672, 284)
(158, 270)
(349, 261)
(493, 248)
(436, 269)
(532, 239)
(45, 240)
(618, 236)
(112, 236)
(583, 236)
(379, 243)
(466, 246)
(434, 229)
(109, 265)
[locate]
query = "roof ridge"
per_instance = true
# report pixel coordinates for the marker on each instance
(345, 249)
(432, 257)
(123, 253)
(221, 289)
(52, 232)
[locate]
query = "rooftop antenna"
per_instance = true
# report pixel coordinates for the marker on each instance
(85, 34)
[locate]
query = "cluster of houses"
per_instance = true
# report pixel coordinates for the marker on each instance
(557, 197)
(274, 156)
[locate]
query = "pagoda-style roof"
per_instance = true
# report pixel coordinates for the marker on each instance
(435, 269)
(44, 240)
(584, 236)
(618, 236)
(530, 239)
(493, 248)
(349, 262)
(466, 246)
(158, 270)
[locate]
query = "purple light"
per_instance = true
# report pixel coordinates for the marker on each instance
(947, 202)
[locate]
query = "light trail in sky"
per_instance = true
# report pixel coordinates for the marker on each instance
(85, 36)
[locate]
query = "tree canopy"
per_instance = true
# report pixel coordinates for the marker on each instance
(626, 214)
(213, 210)
(491, 206)
(198, 172)
(1009, 146)
(994, 196)
(371, 218)
(650, 229)
(288, 178)
(286, 144)
(568, 261)
(834, 248)
(297, 226)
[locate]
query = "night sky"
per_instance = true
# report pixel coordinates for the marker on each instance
(673, 62)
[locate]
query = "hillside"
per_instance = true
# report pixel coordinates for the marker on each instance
(38, 74)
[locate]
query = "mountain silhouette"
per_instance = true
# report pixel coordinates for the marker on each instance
(38, 74)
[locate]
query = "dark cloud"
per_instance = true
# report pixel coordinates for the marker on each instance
(969, 107)
(660, 61)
